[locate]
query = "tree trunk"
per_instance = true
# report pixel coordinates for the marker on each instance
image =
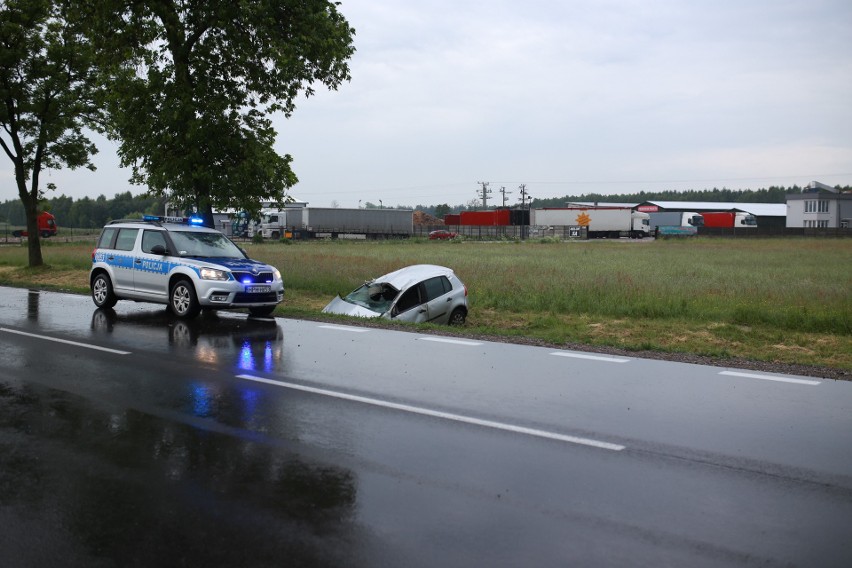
(31, 210)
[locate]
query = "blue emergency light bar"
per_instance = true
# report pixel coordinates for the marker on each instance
(197, 221)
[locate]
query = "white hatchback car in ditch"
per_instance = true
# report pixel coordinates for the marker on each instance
(418, 294)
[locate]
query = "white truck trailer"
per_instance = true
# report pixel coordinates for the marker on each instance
(675, 222)
(334, 222)
(600, 222)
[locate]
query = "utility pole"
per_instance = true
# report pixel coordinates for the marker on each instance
(484, 193)
(505, 193)
(525, 198)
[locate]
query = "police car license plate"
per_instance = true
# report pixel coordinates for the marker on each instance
(258, 289)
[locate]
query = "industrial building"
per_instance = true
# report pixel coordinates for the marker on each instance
(819, 207)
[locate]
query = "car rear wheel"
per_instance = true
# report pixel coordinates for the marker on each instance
(183, 301)
(261, 311)
(102, 293)
(458, 317)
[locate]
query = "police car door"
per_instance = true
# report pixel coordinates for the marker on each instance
(151, 271)
(121, 259)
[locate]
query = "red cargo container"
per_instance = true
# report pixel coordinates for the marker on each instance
(452, 219)
(500, 217)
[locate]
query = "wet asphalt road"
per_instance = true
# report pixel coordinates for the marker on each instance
(130, 438)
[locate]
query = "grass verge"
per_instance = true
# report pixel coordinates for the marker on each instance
(783, 300)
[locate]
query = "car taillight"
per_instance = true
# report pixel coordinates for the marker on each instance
(93, 254)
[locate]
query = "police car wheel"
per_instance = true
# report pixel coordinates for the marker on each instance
(102, 293)
(182, 300)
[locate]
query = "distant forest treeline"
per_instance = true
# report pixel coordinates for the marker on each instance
(88, 213)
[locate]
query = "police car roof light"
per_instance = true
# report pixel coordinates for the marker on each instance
(181, 220)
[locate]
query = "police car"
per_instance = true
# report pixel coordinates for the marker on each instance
(175, 261)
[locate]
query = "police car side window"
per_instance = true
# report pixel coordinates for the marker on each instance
(126, 239)
(150, 239)
(106, 237)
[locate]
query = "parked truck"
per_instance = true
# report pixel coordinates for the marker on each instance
(46, 226)
(600, 222)
(682, 223)
(730, 219)
(333, 222)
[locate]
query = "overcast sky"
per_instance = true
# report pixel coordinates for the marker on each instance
(567, 97)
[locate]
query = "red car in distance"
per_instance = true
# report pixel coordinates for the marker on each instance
(442, 234)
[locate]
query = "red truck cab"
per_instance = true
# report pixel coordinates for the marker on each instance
(46, 226)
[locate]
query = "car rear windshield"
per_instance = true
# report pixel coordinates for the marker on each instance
(208, 245)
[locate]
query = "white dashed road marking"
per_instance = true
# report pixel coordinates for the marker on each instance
(343, 328)
(592, 357)
(453, 341)
(770, 378)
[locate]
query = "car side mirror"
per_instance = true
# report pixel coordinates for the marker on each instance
(158, 249)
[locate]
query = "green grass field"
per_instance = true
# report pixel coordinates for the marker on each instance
(782, 300)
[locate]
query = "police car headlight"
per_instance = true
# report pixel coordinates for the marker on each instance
(276, 275)
(213, 274)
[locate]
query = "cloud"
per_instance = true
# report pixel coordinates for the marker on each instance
(596, 95)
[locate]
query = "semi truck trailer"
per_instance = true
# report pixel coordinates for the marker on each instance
(730, 219)
(600, 222)
(675, 222)
(333, 222)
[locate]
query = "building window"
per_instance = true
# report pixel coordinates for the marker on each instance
(813, 206)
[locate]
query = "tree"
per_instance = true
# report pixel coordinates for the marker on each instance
(192, 83)
(442, 210)
(47, 85)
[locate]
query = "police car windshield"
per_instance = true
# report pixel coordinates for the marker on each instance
(202, 244)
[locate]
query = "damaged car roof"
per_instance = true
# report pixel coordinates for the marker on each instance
(405, 277)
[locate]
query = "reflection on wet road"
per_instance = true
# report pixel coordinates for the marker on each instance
(85, 485)
(249, 344)
(131, 437)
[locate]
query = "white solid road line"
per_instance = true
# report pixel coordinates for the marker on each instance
(67, 342)
(770, 378)
(442, 415)
(592, 357)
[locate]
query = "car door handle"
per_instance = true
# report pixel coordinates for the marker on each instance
(138, 261)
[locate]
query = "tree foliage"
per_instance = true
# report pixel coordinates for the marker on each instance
(47, 86)
(192, 84)
(773, 194)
